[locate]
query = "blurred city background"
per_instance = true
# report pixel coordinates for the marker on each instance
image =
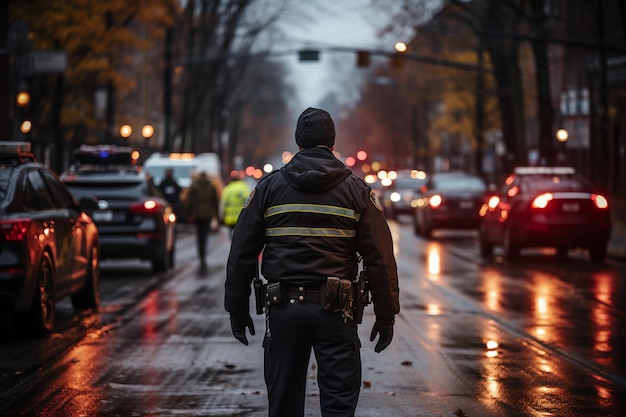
(479, 86)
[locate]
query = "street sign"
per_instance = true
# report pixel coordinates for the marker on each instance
(39, 62)
(309, 55)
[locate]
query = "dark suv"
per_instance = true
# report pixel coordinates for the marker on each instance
(133, 217)
(49, 246)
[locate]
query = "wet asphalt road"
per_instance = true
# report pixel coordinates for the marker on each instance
(161, 346)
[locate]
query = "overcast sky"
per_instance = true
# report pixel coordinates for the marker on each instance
(329, 23)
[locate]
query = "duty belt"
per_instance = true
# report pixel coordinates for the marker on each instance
(333, 295)
(301, 294)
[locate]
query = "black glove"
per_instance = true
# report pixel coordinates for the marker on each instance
(238, 324)
(385, 332)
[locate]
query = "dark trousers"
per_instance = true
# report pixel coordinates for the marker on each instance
(293, 330)
(202, 237)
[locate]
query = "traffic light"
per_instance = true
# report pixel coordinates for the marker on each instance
(309, 55)
(362, 59)
(397, 61)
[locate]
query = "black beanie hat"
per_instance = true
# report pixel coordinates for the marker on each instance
(315, 127)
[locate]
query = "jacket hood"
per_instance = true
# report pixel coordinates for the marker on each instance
(315, 170)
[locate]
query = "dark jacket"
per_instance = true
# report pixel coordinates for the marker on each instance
(202, 201)
(310, 219)
(171, 190)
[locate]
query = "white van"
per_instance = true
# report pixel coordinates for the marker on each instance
(184, 165)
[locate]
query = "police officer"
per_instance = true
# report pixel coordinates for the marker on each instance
(171, 190)
(312, 219)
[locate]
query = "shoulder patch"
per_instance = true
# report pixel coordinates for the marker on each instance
(249, 199)
(375, 201)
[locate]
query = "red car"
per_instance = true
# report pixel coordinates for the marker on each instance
(49, 246)
(545, 207)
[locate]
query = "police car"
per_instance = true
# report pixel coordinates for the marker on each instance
(545, 207)
(133, 217)
(49, 245)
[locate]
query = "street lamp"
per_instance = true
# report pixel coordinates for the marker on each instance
(147, 131)
(23, 98)
(562, 135)
(126, 131)
(400, 47)
(26, 126)
(397, 59)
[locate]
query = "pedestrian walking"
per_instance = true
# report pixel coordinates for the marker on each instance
(234, 195)
(313, 219)
(201, 206)
(171, 190)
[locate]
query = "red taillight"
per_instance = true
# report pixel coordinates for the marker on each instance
(148, 207)
(435, 201)
(600, 201)
(14, 229)
(542, 200)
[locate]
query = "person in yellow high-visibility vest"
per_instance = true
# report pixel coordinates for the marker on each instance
(234, 195)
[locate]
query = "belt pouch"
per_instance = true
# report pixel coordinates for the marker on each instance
(274, 293)
(345, 294)
(329, 295)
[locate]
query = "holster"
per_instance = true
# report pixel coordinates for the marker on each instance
(259, 295)
(361, 296)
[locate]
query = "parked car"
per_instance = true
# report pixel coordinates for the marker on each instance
(133, 217)
(49, 246)
(397, 198)
(449, 200)
(546, 207)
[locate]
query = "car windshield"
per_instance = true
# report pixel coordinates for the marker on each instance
(459, 183)
(122, 190)
(555, 183)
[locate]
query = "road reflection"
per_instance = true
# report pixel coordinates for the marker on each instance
(491, 286)
(433, 260)
(561, 321)
(79, 378)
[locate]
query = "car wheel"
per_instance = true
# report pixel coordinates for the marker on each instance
(162, 263)
(511, 249)
(416, 226)
(426, 229)
(39, 319)
(89, 296)
(172, 256)
(598, 253)
(486, 247)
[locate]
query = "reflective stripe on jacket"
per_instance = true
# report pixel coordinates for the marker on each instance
(311, 220)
